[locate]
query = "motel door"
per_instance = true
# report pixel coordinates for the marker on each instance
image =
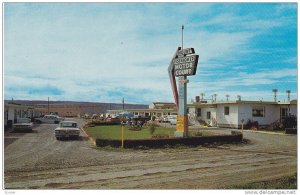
(283, 114)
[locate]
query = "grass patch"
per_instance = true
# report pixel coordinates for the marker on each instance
(282, 183)
(114, 132)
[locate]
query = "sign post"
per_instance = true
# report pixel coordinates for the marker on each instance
(184, 63)
(122, 137)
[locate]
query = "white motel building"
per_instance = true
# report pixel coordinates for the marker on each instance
(224, 114)
(232, 113)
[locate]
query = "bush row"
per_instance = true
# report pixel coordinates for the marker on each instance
(163, 142)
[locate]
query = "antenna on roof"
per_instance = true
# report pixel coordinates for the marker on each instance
(202, 94)
(215, 97)
(227, 96)
(275, 94)
(289, 95)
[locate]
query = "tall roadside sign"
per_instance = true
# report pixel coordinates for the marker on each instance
(184, 63)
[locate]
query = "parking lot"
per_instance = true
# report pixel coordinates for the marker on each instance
(38, 161)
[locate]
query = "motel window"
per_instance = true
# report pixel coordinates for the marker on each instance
(226, 110)
(258, 111)
(198, 112)
(208, 115)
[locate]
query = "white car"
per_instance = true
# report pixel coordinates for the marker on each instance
(67, 129)
(173, 120)
(23, 124)
(49, 119)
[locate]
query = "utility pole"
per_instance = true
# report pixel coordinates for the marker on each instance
(48, 106)
(123, 103)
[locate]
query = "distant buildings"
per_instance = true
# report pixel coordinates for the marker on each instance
(29, 109)
(156, 109)
(220, 114)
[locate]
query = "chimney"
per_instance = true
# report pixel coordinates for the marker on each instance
(197, 98)
(239, 97)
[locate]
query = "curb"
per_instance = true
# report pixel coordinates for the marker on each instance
(89, 137)
(265, 132)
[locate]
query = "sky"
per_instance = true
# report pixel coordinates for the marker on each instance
(102, 52)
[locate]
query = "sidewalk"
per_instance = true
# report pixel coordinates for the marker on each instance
(245, 130)
(265, 132)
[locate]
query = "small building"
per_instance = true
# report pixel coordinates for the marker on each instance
(12, 112)
(65, 110)
(232, 113)
(156, 109)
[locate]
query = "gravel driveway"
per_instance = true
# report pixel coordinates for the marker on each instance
(38, 161)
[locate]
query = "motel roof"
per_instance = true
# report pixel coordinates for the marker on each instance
(293, 102)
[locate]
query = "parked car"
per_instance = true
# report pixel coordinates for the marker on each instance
(49, 119)
(67, 129)
(23, 124)
(173, 119)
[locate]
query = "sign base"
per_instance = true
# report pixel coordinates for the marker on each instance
(180, 134)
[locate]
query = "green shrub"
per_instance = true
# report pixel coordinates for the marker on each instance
(152, 128)
(251, 124)
(290, 122)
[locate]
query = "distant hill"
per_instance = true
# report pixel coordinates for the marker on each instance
(86, 107)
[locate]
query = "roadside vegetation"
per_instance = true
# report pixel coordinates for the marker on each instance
(282, 183)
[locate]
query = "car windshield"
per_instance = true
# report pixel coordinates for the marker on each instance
(68, 124)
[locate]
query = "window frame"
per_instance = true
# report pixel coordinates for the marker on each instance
(208, 115)
(261, 113)
(226, 112)
(198, 113)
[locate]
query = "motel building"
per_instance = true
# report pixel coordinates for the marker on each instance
(227, 114)
(13, 112)
(156, 109)
(230, 114)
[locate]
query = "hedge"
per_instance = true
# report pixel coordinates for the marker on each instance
(291, 131)
(157, 143)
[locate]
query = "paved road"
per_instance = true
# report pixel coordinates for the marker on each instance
(38, 160)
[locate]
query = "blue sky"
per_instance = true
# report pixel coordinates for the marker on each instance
(103, 52)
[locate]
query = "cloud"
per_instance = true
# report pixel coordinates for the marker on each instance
(99, 52)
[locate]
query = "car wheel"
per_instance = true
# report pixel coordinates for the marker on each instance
(38, 122)
(56, 122)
